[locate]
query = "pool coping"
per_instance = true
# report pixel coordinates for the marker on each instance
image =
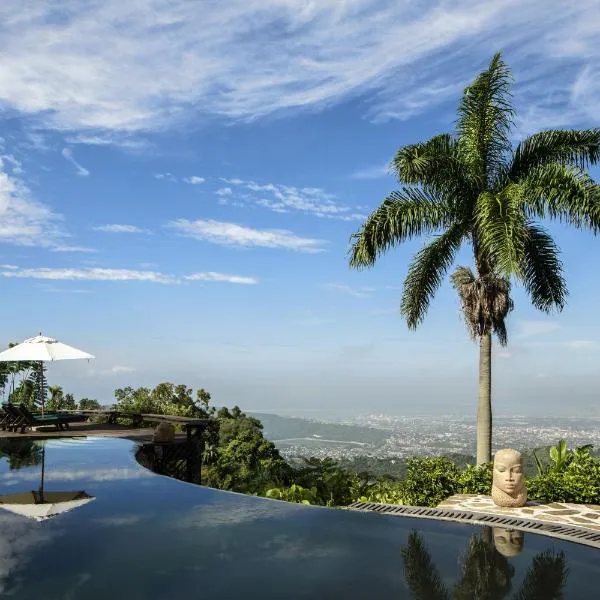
(570, 533)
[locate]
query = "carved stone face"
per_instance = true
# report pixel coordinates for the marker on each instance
(508, 472)
(509, 542)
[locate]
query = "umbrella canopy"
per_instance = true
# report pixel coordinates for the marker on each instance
(42, 348)
(42, 506)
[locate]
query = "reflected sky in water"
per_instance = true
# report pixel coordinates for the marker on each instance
(146, 536)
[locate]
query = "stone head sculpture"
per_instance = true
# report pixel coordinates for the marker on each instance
(509, 542)
(508, 487)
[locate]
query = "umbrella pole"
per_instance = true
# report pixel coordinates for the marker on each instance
(42, 386)
(42, 479)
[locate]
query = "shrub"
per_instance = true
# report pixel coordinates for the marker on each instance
(476, 479)
(430, 480)
(294, 493)
(578, 481)
(387, 492)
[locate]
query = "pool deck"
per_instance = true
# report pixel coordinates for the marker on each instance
(137, 434)
(578, 523)
(566, 513)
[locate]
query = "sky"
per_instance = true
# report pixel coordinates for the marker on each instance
(179, 182)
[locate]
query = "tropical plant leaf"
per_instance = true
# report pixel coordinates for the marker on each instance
(542, 272)
(420, 572)
(435, 165)
(404, 214)
(426, 273)
(485, 118)
(501, 229)
(565, 193)
(567, 147)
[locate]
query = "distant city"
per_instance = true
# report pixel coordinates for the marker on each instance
(385, 436)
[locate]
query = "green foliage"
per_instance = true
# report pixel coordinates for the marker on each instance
(89, 404)
(294, 493)
(476, 479)
(333, 484)
(164, 399)
(574, 477)
(430, 480)
(387, 492)
(242, 459)
(560, 456)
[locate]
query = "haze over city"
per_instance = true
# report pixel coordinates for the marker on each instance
(185, 215)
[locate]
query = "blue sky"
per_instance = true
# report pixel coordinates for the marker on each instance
(179, 182)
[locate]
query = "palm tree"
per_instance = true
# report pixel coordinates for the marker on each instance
(473, 187)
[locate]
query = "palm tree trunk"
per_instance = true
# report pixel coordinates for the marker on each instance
(484, 409)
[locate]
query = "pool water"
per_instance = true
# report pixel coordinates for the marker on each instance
(137, 535)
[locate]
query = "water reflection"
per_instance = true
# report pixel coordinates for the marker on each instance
(509, 542)
(41, 504)
(26, 453)
(485, 571)
(155, 535)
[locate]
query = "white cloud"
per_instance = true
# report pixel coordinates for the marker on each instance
(69, 248)
(166, 177)
(221, 277)
(68, 154)
(232, 234)
(194, 180)
(363, 292)
(102, 274)
(580, 344)
(15, 164)
(118, 369)
(375, 172)
(131, 66)
(119, 228)
(23, 221)
(284, 198)
(90, 274)
(126, 142)
(533, 328)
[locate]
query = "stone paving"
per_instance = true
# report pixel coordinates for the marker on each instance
(580, 515)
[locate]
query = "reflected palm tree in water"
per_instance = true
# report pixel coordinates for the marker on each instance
(21, 453)
(486, 574)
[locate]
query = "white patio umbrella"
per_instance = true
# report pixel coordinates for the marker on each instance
(42, 349)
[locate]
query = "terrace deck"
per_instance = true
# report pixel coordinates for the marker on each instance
(141, 434)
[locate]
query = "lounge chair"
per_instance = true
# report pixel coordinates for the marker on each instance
(60, 420)
(12, 418)
(5, 417)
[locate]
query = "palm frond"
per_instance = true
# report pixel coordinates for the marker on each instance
(499, 328)
(426, 273)
(563, 192)
(542, 272)
(485, 302)
(501, 229)
(546, 578)
(420, 572)
(434, 164)
(404, 214)
(485, 118)
(577, 148)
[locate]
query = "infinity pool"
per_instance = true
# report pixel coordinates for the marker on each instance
(111, 529)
